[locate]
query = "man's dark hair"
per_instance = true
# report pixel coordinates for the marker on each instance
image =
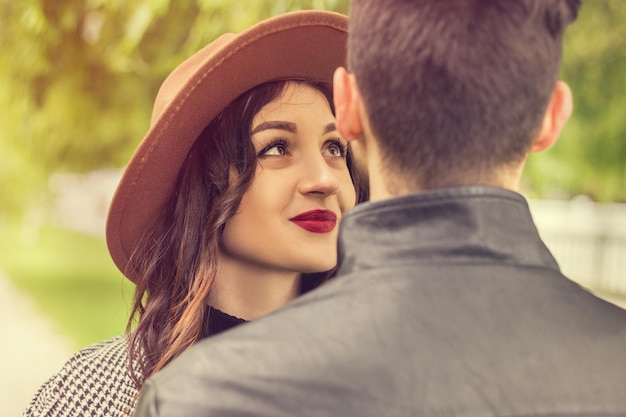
(456, 88)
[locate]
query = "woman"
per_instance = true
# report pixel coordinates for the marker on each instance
(227, 210)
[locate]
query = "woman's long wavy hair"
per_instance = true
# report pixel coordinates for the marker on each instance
(177, 256)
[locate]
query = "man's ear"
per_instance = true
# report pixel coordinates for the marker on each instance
(558, 112)
(347, 100)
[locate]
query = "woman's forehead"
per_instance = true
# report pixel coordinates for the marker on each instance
(294, 99)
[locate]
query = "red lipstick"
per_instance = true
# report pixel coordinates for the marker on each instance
(316, 221)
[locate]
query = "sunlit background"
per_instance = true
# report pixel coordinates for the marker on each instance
(77, 81)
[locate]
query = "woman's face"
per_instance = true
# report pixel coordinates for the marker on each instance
(288, 219)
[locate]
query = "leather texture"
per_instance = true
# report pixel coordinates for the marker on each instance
(447, 303)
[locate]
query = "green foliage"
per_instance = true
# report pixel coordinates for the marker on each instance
(78, 77)
(590, 156)
(70, 276)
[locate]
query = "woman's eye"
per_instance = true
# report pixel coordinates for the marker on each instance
(274, 149)
(336, 149)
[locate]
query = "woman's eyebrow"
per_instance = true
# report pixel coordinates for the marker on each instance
(330, 128)
(288, 126)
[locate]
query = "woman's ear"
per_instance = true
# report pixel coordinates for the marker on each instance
(347, 100)
(558, 112)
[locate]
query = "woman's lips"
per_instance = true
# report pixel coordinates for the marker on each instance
(316, 221)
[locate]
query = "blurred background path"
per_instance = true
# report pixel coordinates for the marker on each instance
(32, 349)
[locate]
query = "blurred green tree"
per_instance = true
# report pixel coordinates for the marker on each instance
(78, 78)
(590, 156)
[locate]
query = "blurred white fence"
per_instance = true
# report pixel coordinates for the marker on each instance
(587, 239)
(82, 200)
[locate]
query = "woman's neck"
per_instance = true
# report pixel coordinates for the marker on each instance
(251, 291)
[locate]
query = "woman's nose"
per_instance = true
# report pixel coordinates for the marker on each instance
(318, 177)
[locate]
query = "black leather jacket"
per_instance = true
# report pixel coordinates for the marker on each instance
(447, 304)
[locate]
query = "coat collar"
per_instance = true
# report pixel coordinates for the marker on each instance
(451, 225)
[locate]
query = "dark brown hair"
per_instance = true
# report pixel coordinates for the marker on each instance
(455, 88)
(177, 256)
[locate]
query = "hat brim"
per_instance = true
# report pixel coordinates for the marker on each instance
(306, 44)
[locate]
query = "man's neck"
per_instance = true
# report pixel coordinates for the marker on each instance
(384, 185)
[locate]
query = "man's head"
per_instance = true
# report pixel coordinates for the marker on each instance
(456, 91)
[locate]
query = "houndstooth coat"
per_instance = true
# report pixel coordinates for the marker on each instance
(94, 382)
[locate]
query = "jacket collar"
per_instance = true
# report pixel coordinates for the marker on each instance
(451, 225)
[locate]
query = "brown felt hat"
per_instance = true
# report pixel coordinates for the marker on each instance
(306, 44)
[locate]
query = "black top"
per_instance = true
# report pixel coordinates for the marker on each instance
(218, 321)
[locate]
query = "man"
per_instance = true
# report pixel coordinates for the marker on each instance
(446, 302)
